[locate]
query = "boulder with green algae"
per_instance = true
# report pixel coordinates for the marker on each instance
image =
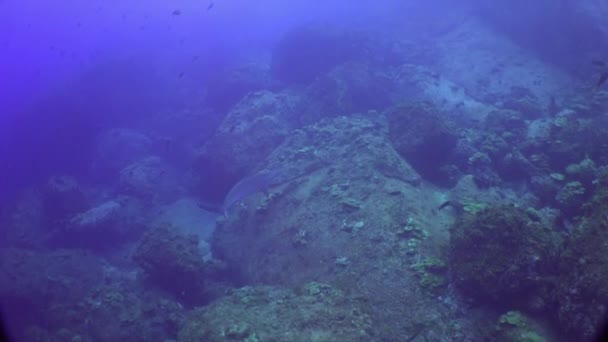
(582, 287)
(431, 274)
(314, 312)
(571, 197)
(513, 326)
(304, 233)
(502, 254)
(173, 262)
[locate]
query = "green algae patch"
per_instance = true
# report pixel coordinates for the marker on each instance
(514, 326)
(431, 274)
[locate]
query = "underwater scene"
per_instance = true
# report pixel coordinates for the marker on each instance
(303, 171)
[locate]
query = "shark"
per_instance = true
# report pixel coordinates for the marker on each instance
(250, 185)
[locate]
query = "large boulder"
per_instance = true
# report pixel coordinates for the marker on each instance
(106, 226)
(189, 218)
(354, 215)
(151, 179)
(173, 262)
(248, 134)
(503, 255)
(115, 310)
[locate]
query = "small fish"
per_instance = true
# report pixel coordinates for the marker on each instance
(180, 75)
(603, 78)
(444, 204)
(599, 63)
(176, 12)
(211, 4)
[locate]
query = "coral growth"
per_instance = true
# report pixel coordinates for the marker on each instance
(502, 255)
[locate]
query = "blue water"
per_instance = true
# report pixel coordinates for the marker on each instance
(236, 170)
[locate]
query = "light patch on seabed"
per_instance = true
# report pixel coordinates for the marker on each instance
(449, 95)
(185, 215)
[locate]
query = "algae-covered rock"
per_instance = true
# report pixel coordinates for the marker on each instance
(116, 311)
(104, 226)
(173, 262)
(315, 312)
(309, 228)
(247, 135)
(582, 289)
(571, 197)
(507, 125)
(502, 255)
(432, 274)
(149, 178)
(513, 326)
(584, 171)
(546, 186)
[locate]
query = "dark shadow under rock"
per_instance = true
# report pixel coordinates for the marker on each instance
(423, 138)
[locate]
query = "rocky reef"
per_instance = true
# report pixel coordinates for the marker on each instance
(504, 255)
(344, 185)
(313, 312)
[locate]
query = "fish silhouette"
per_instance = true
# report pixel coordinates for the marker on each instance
(250, 185)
